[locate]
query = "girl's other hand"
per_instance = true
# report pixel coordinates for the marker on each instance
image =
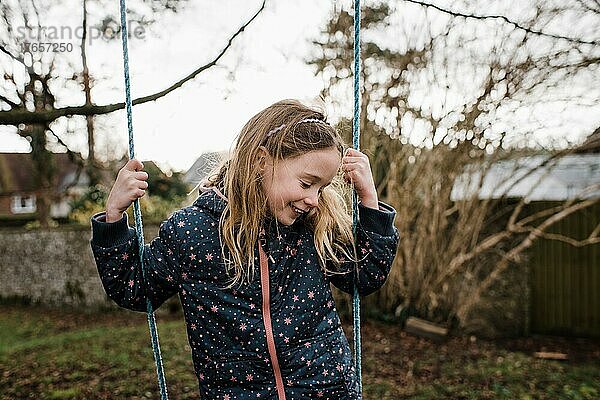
(357, 171)
(130, 185)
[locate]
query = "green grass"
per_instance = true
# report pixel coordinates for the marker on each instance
(48, 354)
(42, 358)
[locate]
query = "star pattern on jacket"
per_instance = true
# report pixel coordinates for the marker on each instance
(226, 326)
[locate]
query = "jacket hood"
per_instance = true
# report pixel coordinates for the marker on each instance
(211, 199)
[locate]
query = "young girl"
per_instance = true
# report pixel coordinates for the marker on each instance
(252, 259)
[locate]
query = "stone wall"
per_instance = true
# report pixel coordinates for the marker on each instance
(52, 267)
(55, 267)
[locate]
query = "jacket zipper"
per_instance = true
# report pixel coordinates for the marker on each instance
(266, 310)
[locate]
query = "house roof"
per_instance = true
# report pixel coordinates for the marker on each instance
(16, 173)
(572, 176)
(203, 166)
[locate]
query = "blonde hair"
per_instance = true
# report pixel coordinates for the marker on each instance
(286, 129)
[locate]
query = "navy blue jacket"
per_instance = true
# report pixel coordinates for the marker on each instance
(278, 337)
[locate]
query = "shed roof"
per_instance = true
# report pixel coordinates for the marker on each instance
(572, 176)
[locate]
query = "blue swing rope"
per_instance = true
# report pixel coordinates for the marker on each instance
(138, 215)
(356, 145)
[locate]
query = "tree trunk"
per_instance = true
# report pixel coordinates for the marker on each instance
(91, 169)
(44, 170)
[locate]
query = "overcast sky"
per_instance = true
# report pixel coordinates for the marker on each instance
(268, 62)
(205, 114)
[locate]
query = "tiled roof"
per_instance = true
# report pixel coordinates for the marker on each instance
(17, 172)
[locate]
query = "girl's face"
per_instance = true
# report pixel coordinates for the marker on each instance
(293, 187)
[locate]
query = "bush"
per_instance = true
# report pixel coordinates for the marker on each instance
(153, 208)
(91, 202)
(156, 208)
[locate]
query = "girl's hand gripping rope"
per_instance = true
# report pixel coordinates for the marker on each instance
(357, 171)
(130, 185)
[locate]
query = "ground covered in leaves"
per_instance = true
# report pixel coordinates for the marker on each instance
(50, 354)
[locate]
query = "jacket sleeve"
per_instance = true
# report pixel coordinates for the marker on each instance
(376, 243)
(116, 251)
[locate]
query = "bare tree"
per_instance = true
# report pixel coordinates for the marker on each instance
(450, 93)
(31, 81)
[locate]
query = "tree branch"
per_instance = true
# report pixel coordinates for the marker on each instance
(73, 155)
(11, 55)
(514, 255)
(9, 102)
(592, 239)
(505, 19)
(460, 259)
(23, 116)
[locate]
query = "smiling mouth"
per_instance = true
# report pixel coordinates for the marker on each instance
(298, 210)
